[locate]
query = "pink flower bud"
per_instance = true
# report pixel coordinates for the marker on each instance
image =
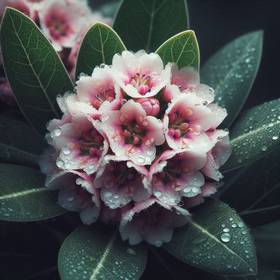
(150, 105)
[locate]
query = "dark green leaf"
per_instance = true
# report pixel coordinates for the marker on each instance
(23, 197)
(255, 135)
(146, 24)
(268, 243)
(36, 73)
(19, 143)
(99, 46)
(232, 71)
(215, 240)
(95, 253)
(181, 49)
(263, 203)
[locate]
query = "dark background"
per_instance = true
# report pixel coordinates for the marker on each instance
(216, 22)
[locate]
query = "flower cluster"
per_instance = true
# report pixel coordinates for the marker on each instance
(64, 23)
(137, 146)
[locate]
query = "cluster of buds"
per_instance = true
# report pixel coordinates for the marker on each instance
(63, 22)
(137, 146)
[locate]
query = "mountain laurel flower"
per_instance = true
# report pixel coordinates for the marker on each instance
(138, 146)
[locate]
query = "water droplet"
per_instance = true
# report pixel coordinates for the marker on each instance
(275, 137)
(264, 148)
(131, 251)
(57, 132)
(226, 230)
(225, 237)
(141, 159)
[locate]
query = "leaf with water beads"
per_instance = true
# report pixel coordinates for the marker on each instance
(96, 253)
(23, 196)
(263, 203)
(232, 71)
(216, 240)
(255, 135)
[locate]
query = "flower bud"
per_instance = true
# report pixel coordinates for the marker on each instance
(150, 105)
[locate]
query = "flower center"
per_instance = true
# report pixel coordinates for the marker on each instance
(133, 133)
(103, 95)
(141, 82)
(180, 124)
(58, 25)
(91, 143)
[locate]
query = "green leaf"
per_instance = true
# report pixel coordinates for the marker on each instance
(99, 46)
(255, 135)
(146, 24)
(95, 253)
(19, 143)
(232, 71)
(263, 203)
(181, 49)
(216, 240)
(36, 73)
(268, 243)
(23, 197)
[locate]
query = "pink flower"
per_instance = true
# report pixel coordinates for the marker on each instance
(206, 191)
(77, 194)
(186, 121)
(62, 20)
(218, 155)
(175, 175)
(99, 90)
(140, 74)
(139, 146)
(132, 134)
(120, 184)
(185, 78)
(151, 222)
(80, 145)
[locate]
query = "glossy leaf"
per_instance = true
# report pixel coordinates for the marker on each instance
(19, 143)
(232, 71)
(94, 253)
(36, 73)
(216, 240)
(146, 24)
(181, 49)
(99, 46)
(23, 197)
(268, 243)
(261, 180)
(255, 135)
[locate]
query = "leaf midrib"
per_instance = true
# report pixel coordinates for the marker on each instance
(205, 231)
(23, 193)
(33, 70)
(105, 254)
(253, 132)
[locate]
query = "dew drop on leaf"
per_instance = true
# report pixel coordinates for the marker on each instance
(225, 237)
